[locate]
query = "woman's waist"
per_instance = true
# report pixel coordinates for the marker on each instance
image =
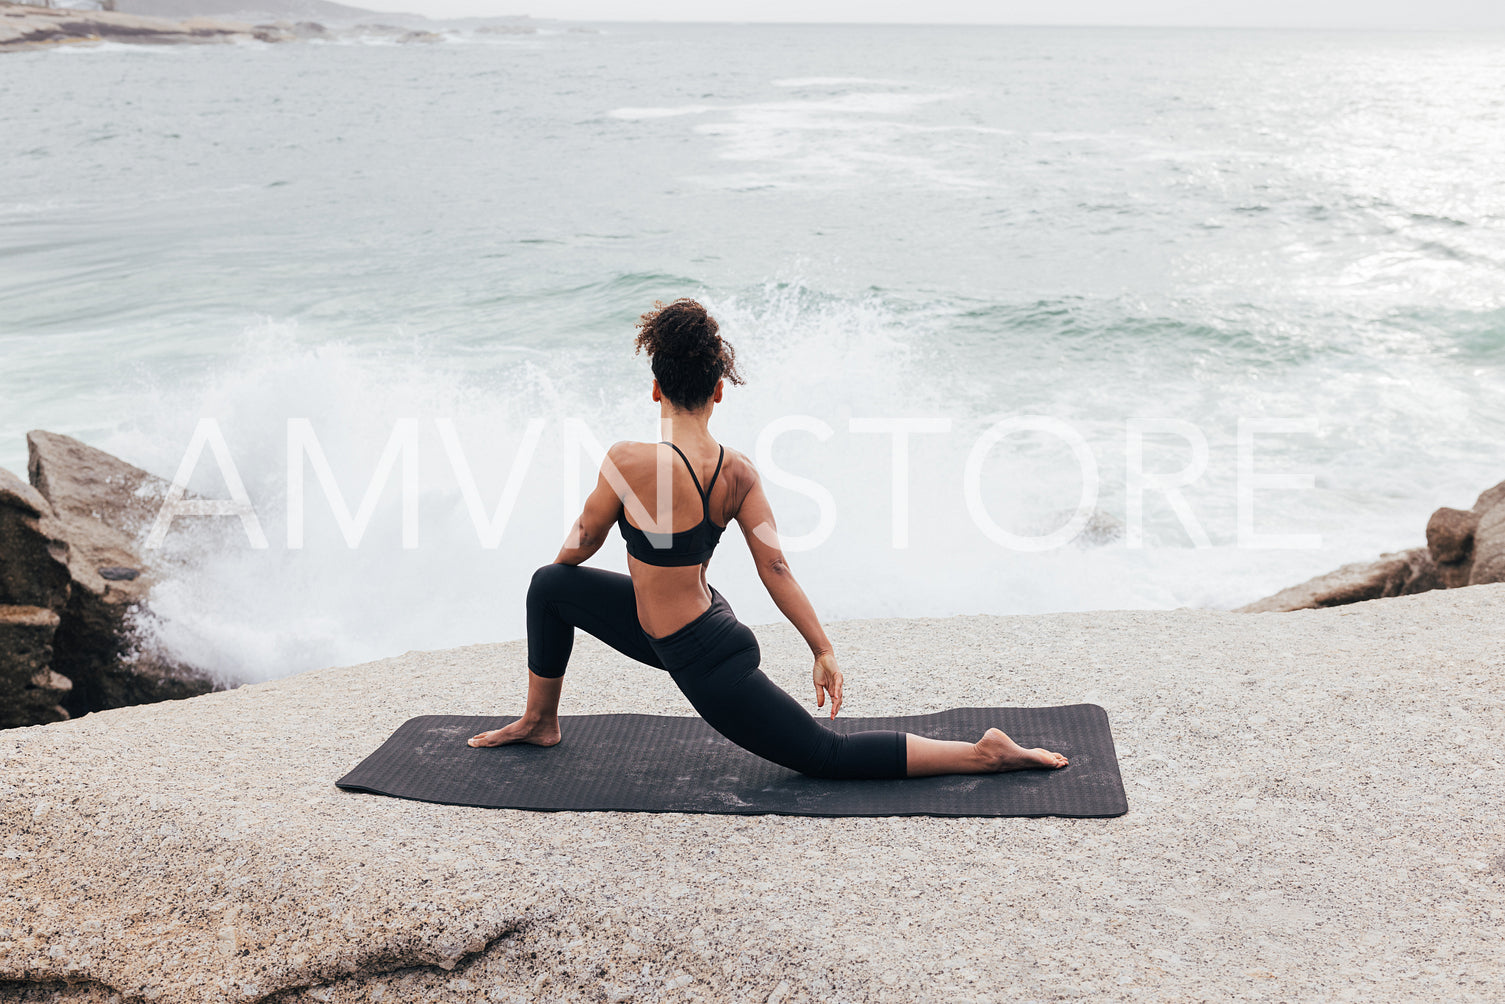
(666, 607)
(669, 597)
(712, 628)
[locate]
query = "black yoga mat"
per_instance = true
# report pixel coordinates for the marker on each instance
(652, 763)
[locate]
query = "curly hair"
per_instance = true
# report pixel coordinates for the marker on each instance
(688, 355)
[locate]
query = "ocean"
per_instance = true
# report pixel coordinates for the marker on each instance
(1267, 264)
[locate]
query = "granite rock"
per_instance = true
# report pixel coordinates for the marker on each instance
(1450, 539)
(33, 555)
(30, 692)
(1489, 547)
(1450, 534)
(101, 505)
(1489, 498)
(1399, 573)
(1314, 815)
(1458, 540)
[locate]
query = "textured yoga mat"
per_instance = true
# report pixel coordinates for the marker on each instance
(652, 763)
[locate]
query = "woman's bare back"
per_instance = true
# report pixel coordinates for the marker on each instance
(669, 597)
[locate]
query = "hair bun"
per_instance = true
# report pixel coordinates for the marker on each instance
(689, 355)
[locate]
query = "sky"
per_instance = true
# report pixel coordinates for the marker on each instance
(1436, 14)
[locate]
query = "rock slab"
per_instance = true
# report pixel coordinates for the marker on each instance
(1313, 816)
(1400, 573)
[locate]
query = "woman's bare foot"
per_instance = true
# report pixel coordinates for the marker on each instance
(1002, 753)
(539, 732)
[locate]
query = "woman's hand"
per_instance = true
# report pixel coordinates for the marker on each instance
(827, 681)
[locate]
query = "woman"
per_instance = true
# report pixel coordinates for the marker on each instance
(665, 614)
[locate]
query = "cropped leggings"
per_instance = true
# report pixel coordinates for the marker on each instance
(714, 662)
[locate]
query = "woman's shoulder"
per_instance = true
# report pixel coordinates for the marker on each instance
(740, 477)
(736, 465)
(737, 471)
(628, 450)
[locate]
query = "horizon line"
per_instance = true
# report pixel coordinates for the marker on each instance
(947, 24)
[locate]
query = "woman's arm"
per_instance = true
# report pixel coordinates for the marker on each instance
(595, 520)
(755, 517)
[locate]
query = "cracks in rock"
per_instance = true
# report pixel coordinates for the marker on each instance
(86, 990)
(80, 991)
(400, 966)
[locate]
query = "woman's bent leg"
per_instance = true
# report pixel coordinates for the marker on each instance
(564, 597)
(560, 599)
(539, 724)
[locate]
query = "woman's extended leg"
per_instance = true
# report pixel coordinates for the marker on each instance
(739, 700)
(560, 599)
(993, 753)
(756, 714)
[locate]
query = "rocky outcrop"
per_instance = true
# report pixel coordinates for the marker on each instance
(1465, 547)
(33, 555)
(1489, 547)
(102, 504)
(34, 587)
(1450, 539)
(23, 26)
(73, 588)
(30, 692)
(1400, 573)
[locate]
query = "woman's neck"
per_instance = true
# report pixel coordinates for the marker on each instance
(684, 426)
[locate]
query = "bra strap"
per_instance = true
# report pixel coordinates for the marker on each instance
(714, 475)
(704, 493)
(691, 469)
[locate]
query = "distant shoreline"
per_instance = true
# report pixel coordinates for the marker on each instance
(23, 26)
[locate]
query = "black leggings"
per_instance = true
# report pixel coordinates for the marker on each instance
(713, 660)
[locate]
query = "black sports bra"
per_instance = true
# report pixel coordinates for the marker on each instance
(687, 547)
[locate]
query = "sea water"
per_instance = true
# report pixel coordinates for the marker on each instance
(1268, 264)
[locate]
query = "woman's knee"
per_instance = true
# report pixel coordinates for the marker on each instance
(547, 582)
(823, 758)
